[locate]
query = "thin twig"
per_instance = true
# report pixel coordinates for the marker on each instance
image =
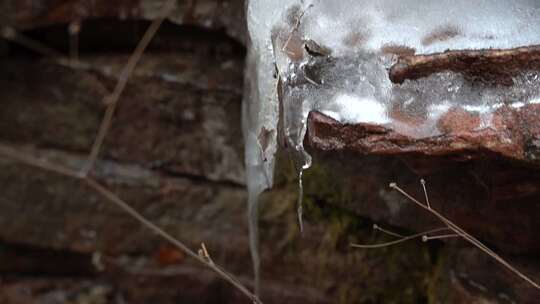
(146, 223)
(35, 162)
(376, 227)
(450, 224)
(467, 236)
(203, 252)
(401, 240)
(11, 34)
(113, 198)
(72, 61)
(112, 100)
(426, 238)
(423, 182)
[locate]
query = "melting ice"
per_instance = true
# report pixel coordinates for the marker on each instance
(334, 56)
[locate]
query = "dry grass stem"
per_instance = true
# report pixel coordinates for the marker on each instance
(112, 100)
(113, 198)
(376, 227)
(423, 182)
(73, 61)
(462, 233)
(400, 240)
(203, 252)
(35, 162)
(426, 238)
(12, 35)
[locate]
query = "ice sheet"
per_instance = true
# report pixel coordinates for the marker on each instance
(334, 56)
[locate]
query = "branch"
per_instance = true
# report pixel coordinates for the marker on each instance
(112, 100)
(462, 233)
(401, 240)
(113, 198)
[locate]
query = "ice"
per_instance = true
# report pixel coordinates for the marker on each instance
(334, 57)
(470, 24)
(358, 109)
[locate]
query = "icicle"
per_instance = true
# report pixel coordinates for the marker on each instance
(300, 207)
(305, 159)
(253, 218)
(259, 122)
(334, 57)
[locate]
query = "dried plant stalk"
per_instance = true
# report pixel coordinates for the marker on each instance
(114, 199)
(458, 232)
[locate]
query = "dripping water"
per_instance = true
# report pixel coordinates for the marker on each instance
(305, 159)
(253, 218)
(300, 210)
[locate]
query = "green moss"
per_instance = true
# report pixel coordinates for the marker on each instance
(396, 274)
(438, 281)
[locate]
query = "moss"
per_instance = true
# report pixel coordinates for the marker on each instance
(396, 274)
(323, 183)
(438, 282)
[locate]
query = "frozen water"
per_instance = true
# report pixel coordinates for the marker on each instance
(334, 56)
(359, 109)
(421, 24)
